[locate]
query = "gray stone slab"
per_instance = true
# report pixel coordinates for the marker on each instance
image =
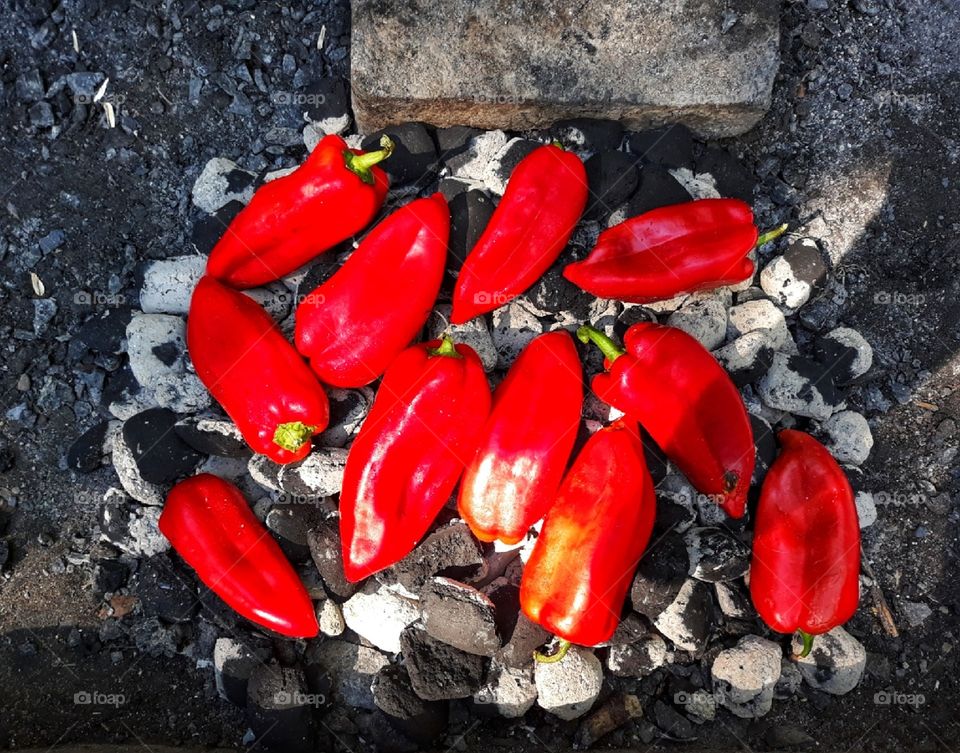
(518, 65)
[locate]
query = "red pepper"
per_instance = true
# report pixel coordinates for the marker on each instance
(671, 384)
(422, 429)
(353, 325)
(334, 194)
(526, 443)
(254, 373)
(676, 249)
(545, 196)
(581, 567)
(805, 573)
(209, 523)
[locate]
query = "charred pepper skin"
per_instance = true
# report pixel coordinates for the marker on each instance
(543, 201)
(682, 248)
(403, 466)
(668, 382)
(254, 373)
(333, 195)
(352, 326)
(209, 523)
(805, 572)
(527, 441)
(592, 539)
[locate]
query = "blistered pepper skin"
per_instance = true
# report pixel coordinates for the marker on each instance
(526, 443)
(403, 466)
(593, 537)
(292, 219)
(209, 523)
(805, 571)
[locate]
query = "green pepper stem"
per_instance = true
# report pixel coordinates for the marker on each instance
(562, 648)
(611, 351)
(771, 235)
(807, 644)
(293, 435)
(556, 143)
(361, 163)
(445, 348)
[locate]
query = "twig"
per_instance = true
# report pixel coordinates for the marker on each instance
(879, 602)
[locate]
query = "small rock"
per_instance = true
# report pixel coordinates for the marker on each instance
(233, 663)
(748, 357)
(279, 709)
(800, 386)
(846, 351)
(474, 333)
(513, 328)
(29, 86)
(156, 344)
(744, 676)
(44, 309)
(612, 177)
(221, 182)
(351, 668)
(438, 671)
(460, 616)
(325, 549)
(850, 438)
(510, 690)
(168, 284)
(687, 620)
(761, 315)
(379, 615)
(866, 509)
(87, 451)
(161, 456)
(638, 659)
(660, 575)
(698, 185)
(704, 320)
(330, 618)
(568, 688)
(836, 663)
(449, 547)
(414, 157)
(916, 612)
(715, 555)
(212, 436)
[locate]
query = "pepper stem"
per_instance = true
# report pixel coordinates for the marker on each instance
(771, 235)
(556, 143)
(611, 351)
(445, 348)
(293, 435)
(361, 163)
(562, 648)
(807, 644)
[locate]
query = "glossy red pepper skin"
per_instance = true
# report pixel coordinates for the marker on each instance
(527, 441)
(292, 219)
(352, 326)
(422, 429)
(676, 249)
(805, 573)
(544, 198)
(577, 577)
(668, 382)
(254, 373)
(209, 523)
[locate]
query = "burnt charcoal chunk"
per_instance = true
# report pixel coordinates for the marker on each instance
(670, 146)
(454, 140)
(105, 332)
(323, 539)
(514, 155)
(438, 671)
(657, 462)
(325, 98)
(520, 636)
(278, 710)
(165, 589)
(658, 188)
(110, 575)
(160, 454)
(716, 556)
(291, 523)
(470, 212)
(86, 452)
(420, 720)
(660, 575)
(671, 722)
(460, 616)
(211, 227)
(612, 177)
(322, 270)
(595, 134)
(414, 158)
(766, 443)
(554, 293)
(213, 436)
(445, 551)
(840, 356)
(806, 262)
(733, 179)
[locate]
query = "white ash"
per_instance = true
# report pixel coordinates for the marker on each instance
(704, 320)
(510, 690)
(212, 191)
(763, 315)
(836, 663)
(568, 688)
(168, 284)
(474, 333)
(744, 676)
(849, 437)
(379, 615)
(866, 509)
